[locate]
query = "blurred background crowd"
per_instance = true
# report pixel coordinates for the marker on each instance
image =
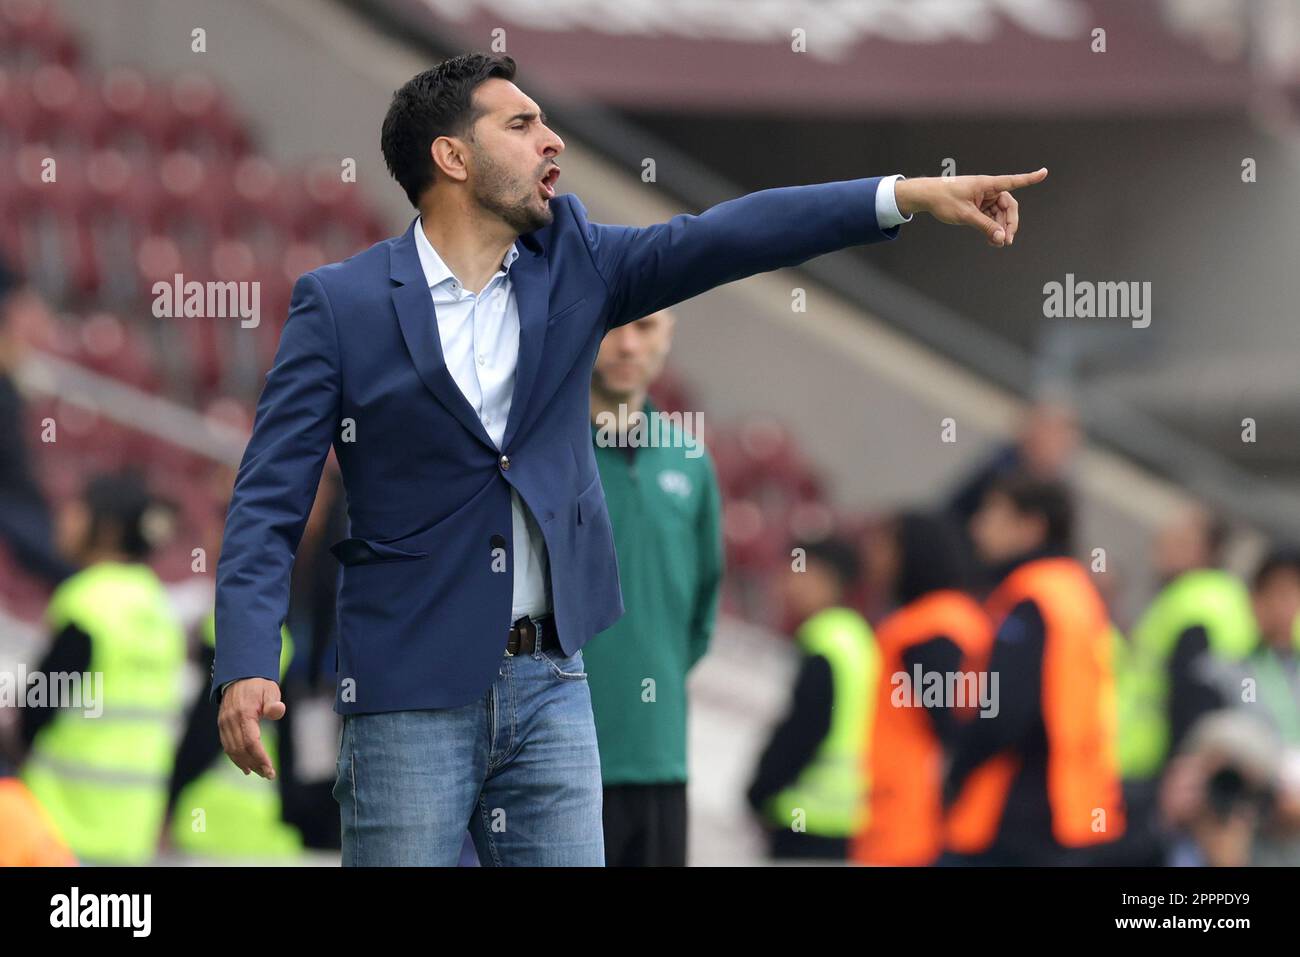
(917, 427)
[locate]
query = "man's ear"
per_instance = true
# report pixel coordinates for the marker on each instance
(449, 155)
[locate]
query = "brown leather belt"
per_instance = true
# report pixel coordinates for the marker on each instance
(528, 634)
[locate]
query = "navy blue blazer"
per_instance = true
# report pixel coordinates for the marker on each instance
(425, 592)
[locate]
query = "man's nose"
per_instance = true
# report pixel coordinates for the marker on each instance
(625, 345)
(554, 145)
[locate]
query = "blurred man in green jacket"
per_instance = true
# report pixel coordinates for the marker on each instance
(665, 508)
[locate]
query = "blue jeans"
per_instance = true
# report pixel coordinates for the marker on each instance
(519, 767)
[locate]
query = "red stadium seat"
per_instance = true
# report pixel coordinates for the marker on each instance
(255, 208)
(31, 33)
(328, 212)
(114, 348)
(197, 120)
(132, 119)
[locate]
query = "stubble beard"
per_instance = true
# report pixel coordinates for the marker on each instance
(501, 194)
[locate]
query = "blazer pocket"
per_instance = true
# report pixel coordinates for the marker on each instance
(589, 501)
(363, 551)
(563, 313)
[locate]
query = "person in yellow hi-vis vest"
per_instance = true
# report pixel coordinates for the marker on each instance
(1200, 620)
(100, 751)
(1199, 623)
(216, 810)
(811, 781)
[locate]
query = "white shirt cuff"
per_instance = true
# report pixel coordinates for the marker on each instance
(887, 214)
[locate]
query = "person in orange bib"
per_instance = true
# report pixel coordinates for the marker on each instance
(28, 837)
(937, 630)
(1036, 781)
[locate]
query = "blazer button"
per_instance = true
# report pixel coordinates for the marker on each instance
(505, 463)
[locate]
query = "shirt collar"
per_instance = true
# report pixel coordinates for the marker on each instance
(435, 270)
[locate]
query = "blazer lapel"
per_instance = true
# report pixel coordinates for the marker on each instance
(419, 322)
(530, 278)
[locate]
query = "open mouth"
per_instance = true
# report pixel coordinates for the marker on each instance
(547, 185)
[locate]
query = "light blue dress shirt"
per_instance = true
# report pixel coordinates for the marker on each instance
(480, 344)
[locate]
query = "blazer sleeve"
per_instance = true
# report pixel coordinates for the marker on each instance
(275, 487)
(647, 268)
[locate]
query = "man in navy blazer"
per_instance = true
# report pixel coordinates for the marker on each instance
(449, 369)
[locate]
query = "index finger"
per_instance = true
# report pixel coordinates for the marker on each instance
(1018, 180)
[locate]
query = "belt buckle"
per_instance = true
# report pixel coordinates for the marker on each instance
(516, 629)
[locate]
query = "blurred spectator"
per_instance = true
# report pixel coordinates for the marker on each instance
(810, 781)
(1264, 686)
(1035, 779)
(1274, 672)
(1219, 790)
(1201, 616)
(938, 629)
(28, 837)
(1194, 538)
(99, 765)
(1044, 449)
(215, 810)
(24, 516)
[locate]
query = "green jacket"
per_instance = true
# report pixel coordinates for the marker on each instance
(666, 512)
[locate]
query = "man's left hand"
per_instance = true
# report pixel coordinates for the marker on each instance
(983, 202)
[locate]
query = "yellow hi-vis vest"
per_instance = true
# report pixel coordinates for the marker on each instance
(224, 813)
(827, 799)
(1215, 600)
(103, 776)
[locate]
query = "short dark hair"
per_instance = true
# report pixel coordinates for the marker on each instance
(837, 555)
(1283, 558)
(437, 102)
(931, 556)
(1049, 500)
(121, 505)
